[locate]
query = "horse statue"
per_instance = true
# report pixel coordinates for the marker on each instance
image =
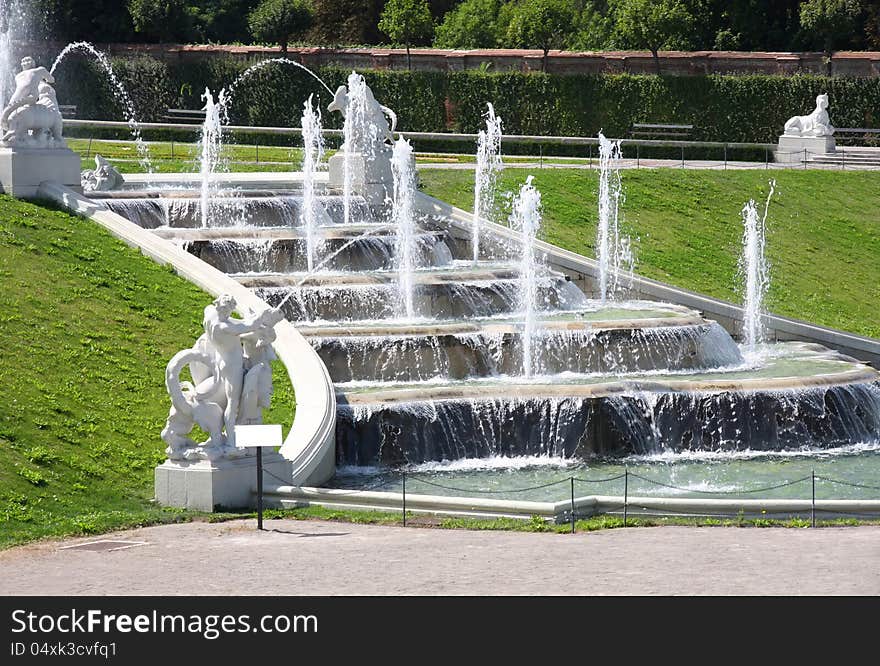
(816, 124)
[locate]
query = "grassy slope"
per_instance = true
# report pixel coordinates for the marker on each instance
(88, 325)
(823, 231)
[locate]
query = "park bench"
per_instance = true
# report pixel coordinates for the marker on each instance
(856, 134)
(660, 131)
(190, 116)
(67, 110)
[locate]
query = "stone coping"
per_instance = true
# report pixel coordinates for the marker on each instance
(310, 443)
(452, 275)
(336, 231)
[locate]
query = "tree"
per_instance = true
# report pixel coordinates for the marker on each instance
(161, 20)
(471, 25)
(826, 21)
(277, 21)
(654, 25)
(540, 24)
(407, 22)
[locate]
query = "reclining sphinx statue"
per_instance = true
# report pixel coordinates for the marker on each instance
(231, 371)
(814, 125)
(32, 118)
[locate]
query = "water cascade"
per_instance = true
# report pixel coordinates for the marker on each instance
(313, 150)
(403, 216)
(489, 166)
(119, 92)
(210, 147)
(526, 218)
(754, 271)
(612, 248)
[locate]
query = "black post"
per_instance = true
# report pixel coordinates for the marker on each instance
(725, 157)
(805, 158)
(590, 149)
(259, 487)
(682, 157)
(572, 505)
(172, 149)
(625, 492)
(813, 506)
(541, 153)
(404, 499)
(89, 149)
(638, 161)
(258, 153)
(766, 159)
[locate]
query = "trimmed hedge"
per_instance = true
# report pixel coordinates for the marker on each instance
(721, 108)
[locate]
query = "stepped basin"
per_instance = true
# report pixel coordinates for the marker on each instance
(801, 396)
(621, 341)
(437, 294)
(285, 250)
(153, 209)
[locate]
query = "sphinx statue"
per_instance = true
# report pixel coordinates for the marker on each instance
(814, 125)
(32, 118)
(231, 371)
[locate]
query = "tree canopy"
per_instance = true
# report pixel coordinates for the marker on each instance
(277, 21)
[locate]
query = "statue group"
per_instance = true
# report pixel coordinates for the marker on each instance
(32, 118)
(231, 371)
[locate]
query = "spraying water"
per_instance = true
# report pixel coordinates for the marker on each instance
(526, 218)
(488, 167)
(613, 250)
(12, 22)
(119, 92)
(210, 147)
(313, 150)
(354, 130)
(754, 271)
(265, 63)
(404, 219)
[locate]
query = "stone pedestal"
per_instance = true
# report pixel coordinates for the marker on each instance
(791, 148)
(207, 486)
(22, 170)
(372, 179)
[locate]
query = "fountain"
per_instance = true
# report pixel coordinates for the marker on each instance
(612, 248)
(313, 151)
(754, 271)
(210, 148)
(403, 168)
(526, 218)
(489, 165)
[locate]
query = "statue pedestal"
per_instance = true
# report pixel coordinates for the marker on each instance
(203, 485)
(23, 169)
(371, 179)
(791, 148)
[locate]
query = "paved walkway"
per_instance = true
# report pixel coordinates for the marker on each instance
(327, 558)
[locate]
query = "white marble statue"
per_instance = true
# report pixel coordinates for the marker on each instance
(102, 178)
(32, 118)
(231, 370)
(814, 125)
(376, 119)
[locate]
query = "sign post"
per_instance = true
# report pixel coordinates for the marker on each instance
(258, 436)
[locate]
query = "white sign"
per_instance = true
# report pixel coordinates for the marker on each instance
(257, 435)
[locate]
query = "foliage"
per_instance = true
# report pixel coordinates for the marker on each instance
(470, 25)
(277, 21)
(407, 22)
(161, 20)
(654, 25)
(539, 24)
(829, 20)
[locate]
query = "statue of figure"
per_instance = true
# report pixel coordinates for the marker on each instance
(816, 124)
(102, 178)
(375, 116)
(32, 117)
(229, 365)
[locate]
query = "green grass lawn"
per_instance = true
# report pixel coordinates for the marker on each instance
(823, 238)
(88, 325)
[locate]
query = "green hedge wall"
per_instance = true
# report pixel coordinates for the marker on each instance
(721, 108)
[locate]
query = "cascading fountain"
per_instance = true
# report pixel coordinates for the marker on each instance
(403, 217)
(355, 129)
(613, 249)
(119, 92)
(526, 218)
(754, 271)
(210, 150)
(313, 150)
(488, 167)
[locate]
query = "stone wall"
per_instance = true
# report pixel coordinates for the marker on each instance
(844, 63)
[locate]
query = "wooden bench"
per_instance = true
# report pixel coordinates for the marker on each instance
(660, 131)
(67, 110)
(189, 116)
(847, 134)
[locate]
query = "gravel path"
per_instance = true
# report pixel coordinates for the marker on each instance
(327, 558)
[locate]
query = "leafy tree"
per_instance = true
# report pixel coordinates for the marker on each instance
(540, 24)
(826, 21)
(471, 25)
(162, 20)
(407, 22)
(654, 25)
(277, 21)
